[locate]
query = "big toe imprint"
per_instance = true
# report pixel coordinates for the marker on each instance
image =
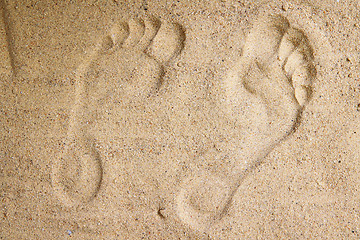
(269, 85)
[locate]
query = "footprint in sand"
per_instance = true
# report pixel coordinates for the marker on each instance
(127, 65)
(267, 88)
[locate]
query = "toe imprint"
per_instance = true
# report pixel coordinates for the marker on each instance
(160, 40)
(272, 41)
(136, 29)
(171, 37)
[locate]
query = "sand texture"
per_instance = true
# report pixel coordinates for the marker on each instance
(179, 119)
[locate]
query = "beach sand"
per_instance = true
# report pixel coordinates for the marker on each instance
(179, 119)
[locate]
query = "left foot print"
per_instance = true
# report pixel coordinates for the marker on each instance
(126, 66)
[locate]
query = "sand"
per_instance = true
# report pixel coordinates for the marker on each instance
(179, 120)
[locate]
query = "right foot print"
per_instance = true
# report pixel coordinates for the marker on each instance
(267, 90)
(126, 65)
